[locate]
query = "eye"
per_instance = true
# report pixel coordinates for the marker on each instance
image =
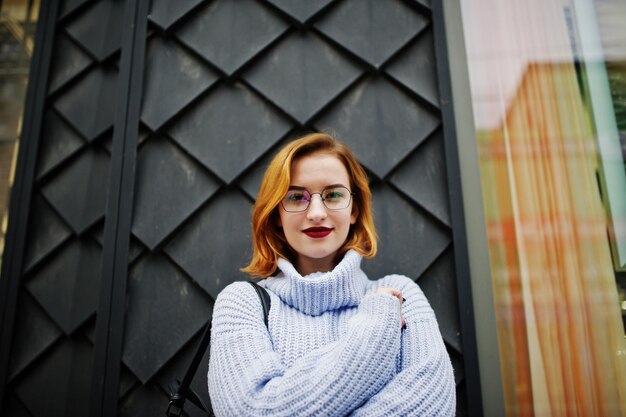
(296, 196)
(333, 194)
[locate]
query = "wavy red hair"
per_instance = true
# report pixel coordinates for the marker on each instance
(268, 239)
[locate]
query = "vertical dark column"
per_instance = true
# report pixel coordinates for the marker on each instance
(457, 217)
(24, 179)
(110, 322)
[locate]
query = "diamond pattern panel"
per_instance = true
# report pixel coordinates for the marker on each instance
(226, 84)
(439, 285)
(58, 142)
(302, 74)
(135, 249)
(89, 106)
(166, 12)
(34, 333)
(372, 29)
(215, 244)
(14, 407)
(229, 129)
(422, 177)
(173, 79)
(250, 181)
(46, 231)
(146, 401)
(69, 61)
(409, 242)
(416, 68)
(78, 192)
(164, 171)
(175, 369)
(69, 6)
(127, 379)
(164, 311)
(380, 123)
(59, 384)
(67, 286)
(301, 10)
(229, 33)
(99, 28)
(459, 371)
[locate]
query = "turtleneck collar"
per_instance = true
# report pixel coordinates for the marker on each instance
(319, 292)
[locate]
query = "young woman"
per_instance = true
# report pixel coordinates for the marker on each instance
(336, 343)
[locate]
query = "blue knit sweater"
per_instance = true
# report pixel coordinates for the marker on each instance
(328, 350)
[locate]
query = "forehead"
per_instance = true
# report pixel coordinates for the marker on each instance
(319, 170)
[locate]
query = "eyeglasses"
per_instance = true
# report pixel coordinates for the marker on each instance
(333, 198)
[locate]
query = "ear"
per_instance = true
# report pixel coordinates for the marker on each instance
(354, 215)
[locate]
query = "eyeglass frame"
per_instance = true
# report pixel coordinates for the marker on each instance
(350, 193)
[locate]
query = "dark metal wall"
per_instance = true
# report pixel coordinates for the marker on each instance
(156, 121)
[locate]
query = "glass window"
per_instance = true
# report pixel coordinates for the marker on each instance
(17, 31)
(548, 89)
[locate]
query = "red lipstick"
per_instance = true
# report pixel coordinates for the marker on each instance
(317, 232)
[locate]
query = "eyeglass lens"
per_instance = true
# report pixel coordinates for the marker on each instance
(334, 198)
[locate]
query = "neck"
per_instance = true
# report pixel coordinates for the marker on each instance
(305, 265)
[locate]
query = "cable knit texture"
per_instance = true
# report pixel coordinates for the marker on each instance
(329, 350)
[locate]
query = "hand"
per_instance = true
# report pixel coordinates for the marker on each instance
(398, 295)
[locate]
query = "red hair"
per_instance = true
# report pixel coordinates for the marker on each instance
(269, 242)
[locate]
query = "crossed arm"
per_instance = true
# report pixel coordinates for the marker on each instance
(372, 370)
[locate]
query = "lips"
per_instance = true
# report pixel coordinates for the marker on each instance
(317, 232)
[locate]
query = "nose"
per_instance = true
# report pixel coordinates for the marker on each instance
(317, 209)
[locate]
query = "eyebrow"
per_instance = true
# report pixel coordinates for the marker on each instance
(298, 187)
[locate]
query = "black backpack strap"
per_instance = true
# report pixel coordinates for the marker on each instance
(266, 302)
(182, 390)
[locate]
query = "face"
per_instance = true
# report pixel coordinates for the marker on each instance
(317, 233)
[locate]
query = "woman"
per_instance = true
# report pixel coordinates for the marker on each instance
(336, 343)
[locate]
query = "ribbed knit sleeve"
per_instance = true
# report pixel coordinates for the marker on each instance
(247, 378)
(424, 385)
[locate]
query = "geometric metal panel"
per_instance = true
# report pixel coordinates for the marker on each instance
(439, 286)
(302, 74)
(422, 176)
(225, 85)
(229, 33)
(372, 29)
(99, 28)
(78, 192)
(215, 244)
(459, 372)
(170, 186)
(46, 231)
(173, 371)
(68, 62)
(250, 181)
(411, 241)
(229, 129)
(14, 406)
(69, 6)
(165, 12)
(58, 142)
(417, 69)
(373, 118)
(173, 78)
(67, 285)
(60, 383)
(301, 10)
(148, 401)
(90, 104)
(34, 333)
(165, 309)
